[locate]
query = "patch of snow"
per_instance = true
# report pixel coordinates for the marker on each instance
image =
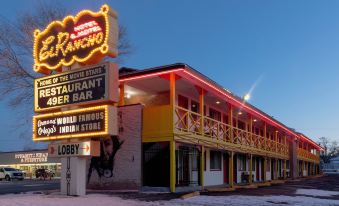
(257, 200)
(314, 192)
(108, 200)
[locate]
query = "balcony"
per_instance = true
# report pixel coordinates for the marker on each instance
(305, 155)
(162, 124)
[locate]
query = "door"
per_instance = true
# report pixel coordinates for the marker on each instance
(226, 167)
(235, 160)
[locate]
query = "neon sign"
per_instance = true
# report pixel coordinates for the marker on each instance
(85, 38)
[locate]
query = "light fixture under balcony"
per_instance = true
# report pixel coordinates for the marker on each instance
(255, 120)
(217, 102)
(239, 113)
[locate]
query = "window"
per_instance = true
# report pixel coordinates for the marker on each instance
(241, 125)
(214, 114)
(195, 106)
(215, 160)
(242, 162)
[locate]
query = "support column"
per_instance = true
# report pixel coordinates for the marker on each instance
(251, 129)
(201, 109)
(172, 142)
(202, 166)
(251, 168)
(276, 168)
(285, 175)
(265, 135)
(230, 121)
(172, 166)
(265, 168)
(230, 169)
(122, 94)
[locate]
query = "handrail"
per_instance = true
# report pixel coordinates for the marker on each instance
(189, 121)
(308, 155)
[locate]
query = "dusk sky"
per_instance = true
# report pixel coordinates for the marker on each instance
(290, 49)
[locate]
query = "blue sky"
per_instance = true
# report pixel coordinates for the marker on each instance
(291, 46)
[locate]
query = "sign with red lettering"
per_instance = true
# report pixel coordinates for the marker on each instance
(88, 85)
(85, 38)
(98, 121)
(86, 148)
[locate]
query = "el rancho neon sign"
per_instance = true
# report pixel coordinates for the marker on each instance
(85, 38)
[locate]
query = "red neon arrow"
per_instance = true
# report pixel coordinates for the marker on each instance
(86, 148)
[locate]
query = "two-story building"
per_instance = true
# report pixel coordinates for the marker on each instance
(196, 133)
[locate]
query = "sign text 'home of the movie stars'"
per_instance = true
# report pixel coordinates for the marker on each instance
(89, 85)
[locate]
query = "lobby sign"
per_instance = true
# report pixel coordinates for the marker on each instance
(88, 85)
(85, 38)
(87, 148)
(91, 122)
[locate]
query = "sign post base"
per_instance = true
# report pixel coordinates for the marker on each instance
(73, 176)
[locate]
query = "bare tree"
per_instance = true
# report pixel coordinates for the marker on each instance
(331, 149)
(16, 43)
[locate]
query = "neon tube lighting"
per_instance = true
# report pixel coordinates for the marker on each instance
(225, 94)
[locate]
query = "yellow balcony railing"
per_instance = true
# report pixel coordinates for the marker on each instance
(306, 155)
(190, 122)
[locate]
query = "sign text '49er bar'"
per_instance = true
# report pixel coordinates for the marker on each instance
(88, 85)
(88, 122)
(85, 38)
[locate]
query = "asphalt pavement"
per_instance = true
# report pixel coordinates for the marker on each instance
(16, 186)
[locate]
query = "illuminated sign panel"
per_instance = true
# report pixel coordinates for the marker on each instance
(90, 122)
(32, 157)
(85, 38)
(87, 148)
(89, 85)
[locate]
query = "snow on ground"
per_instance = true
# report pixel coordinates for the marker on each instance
(108, 200)
(313, 192)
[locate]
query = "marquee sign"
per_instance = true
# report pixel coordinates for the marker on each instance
(87, 148)
(85, 38)
(89, 85)
(90, 122)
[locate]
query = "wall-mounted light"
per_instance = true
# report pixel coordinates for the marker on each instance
(128, 95)
(255, 120)
(239, 113)
(217, 102)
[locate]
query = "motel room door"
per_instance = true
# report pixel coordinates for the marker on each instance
(226, 166)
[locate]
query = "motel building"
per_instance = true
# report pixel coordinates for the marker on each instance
(195, 133)
(180, 130)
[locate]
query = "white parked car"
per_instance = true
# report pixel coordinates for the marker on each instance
(8, 174)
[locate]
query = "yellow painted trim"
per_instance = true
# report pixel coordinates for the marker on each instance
(230, 169)
(172, 166)
(202, 166)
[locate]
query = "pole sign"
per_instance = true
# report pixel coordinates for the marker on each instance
(87, 148)
(85, 38)
(98, 121)
(90, 85)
